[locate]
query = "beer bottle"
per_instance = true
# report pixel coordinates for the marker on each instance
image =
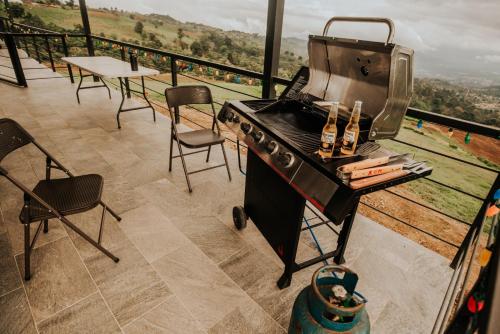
(351, 132)
(329, 133)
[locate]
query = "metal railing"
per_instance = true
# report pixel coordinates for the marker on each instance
(170, 62)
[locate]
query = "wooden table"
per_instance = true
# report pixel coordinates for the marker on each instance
(112, 68)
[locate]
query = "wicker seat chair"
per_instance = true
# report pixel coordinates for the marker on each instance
(51, 198)
(204, 138)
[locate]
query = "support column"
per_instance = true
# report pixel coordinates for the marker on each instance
(86, 26)
(275, 11)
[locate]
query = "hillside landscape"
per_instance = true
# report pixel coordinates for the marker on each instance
(478, 104)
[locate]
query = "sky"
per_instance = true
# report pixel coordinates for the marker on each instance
(459, 39)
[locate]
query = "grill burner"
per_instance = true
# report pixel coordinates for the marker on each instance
(283, 171)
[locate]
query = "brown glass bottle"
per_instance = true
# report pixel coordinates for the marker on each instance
(351, 132)
(329, 134)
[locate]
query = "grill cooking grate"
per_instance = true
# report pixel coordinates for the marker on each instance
(309, 142)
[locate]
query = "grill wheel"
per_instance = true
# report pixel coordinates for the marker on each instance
(239, 217)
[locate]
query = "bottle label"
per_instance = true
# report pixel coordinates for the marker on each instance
(328, 137)
(348, 142)
(327, 144)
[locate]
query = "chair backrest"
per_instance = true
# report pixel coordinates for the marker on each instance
(183, 95)
(12, 137)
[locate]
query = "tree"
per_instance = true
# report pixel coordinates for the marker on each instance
(180, 34)
(139, 27)
(16, 10)
(196, 49)
(70, 3)
(233, 59)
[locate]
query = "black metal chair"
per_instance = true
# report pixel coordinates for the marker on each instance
(51, 198)
(188, 95)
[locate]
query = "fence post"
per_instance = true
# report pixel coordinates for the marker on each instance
(275, 11)
(173, 71)
(66, 54)
(86, 30)
(26, 47)
(16, 62)
(3, 25)
(86, 27)
(35, 46)
(49, 51)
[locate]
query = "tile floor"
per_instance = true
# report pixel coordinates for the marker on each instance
(184, 268)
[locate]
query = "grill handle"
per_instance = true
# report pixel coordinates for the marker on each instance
(387, 21)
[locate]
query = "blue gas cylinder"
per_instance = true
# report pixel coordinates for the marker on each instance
(317, 311)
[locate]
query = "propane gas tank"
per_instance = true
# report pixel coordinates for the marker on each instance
(329, 305)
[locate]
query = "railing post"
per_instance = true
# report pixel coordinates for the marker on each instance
(35, 46)
(66, 54)
(26, 47)
(173, 71)
(127, 84)
(275, 11)
(86, 30)
(49, 51)
(16, 62)
(3, 26)
(86, 27)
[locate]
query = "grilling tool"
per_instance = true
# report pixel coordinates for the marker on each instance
(416, 168)
(369, 167)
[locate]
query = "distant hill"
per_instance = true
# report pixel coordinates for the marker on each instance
(480, 105)
(163, 31)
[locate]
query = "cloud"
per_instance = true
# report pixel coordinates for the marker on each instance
(489, 58)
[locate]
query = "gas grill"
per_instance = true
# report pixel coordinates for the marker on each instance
(284, 171)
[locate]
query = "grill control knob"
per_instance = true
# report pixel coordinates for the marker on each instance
(286, 159)
(258, 136)
(246, 128)
(272, 147)
(229, 116)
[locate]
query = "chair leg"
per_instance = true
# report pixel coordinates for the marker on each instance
(27, 252)
(89, 239)
(103, 216)
(114, 214)
(225, 160)
(171, 148)
(184, 166)
(45, 226)
(208, 154)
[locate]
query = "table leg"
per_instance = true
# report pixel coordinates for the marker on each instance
(121, 104)
(146, 98)
(79, 85)
(344, 234)
(105, 85)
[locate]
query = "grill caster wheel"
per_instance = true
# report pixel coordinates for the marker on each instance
(239, 217)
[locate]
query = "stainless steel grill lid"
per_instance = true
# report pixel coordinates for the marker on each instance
(378, 73)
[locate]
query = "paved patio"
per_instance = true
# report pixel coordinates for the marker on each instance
(184, 268)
